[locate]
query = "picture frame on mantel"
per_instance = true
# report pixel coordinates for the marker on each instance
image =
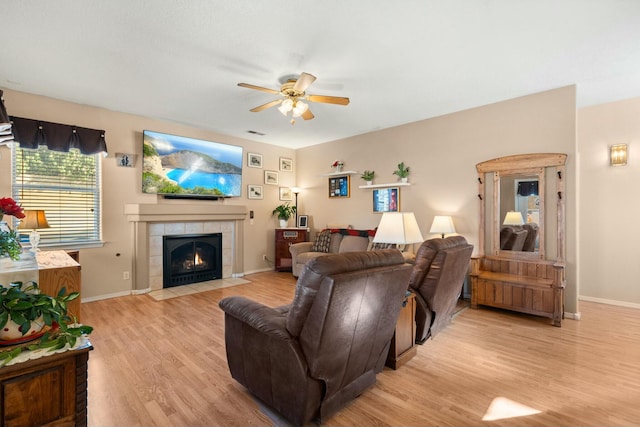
(339, 186)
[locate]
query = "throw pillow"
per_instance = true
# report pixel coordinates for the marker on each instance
(322, 242)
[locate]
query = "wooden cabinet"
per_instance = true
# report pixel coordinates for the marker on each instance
(286, 237)
(49, 391)
(57, 270)
(403, 344)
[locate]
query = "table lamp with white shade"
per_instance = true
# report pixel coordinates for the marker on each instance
(34, 220)
(399, 228)
(442, 224)
(513, 218)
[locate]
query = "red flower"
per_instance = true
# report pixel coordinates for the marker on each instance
(9, 206)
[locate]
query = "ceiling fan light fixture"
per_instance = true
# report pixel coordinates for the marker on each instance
(300, 108)
(287, 105)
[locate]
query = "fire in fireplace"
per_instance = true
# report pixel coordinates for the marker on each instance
(191, 258)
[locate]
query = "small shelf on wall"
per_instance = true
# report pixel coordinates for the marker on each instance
(340, 173)
(395, 184)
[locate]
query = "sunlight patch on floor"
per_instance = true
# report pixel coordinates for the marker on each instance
(502, 408)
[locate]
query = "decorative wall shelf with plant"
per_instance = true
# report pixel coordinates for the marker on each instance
(393, 184)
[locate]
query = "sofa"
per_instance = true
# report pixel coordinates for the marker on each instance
(312, 357)
(439, 270)
(331, 241)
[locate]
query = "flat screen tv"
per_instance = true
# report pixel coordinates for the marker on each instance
(177, 166)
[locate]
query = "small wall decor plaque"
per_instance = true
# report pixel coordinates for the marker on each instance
(126, 160)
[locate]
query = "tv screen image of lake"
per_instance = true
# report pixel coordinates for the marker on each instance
(228, 184)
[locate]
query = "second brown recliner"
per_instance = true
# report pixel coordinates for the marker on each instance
(440, 268)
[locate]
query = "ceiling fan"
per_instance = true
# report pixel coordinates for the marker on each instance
(292, 92)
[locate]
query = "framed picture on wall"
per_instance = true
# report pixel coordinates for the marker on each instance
(285, 193)
(286, 164)
(255, 192)
(339, 186)
(271, 177)
(386, 199)
(254, 160)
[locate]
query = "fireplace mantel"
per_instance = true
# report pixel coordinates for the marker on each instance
(143, 216)
(183, 212)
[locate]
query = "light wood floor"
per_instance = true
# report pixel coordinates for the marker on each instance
(162, 363)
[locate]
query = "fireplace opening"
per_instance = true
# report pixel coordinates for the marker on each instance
(191, 258)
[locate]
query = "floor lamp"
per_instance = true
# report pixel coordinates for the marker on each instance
(296, 190)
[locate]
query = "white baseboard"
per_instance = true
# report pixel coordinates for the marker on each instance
(260, 270)
(107, 296)
(572, 316)
(610, 301)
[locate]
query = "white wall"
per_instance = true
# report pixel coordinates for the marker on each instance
(609, 204)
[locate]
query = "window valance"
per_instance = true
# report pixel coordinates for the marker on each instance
(57, 137)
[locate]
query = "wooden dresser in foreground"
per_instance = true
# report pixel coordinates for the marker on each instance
(49, 391)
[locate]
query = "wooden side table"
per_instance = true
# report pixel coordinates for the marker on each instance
(286, 237)
(49, 391)
(403, 344)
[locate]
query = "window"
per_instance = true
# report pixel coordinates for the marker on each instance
(67, 186)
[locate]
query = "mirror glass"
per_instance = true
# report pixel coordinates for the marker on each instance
(519, 227)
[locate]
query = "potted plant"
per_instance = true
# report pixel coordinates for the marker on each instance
(368, 176)
(284, 212)
(25, 313)
(402, 172)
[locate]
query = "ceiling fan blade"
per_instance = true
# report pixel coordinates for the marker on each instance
(267, 105)
(307, 115)
(263, 89)
(328, 99)
(303, 82)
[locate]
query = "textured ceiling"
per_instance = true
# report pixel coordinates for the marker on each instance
(398, 62)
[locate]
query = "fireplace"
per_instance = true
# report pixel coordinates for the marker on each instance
(191, 258)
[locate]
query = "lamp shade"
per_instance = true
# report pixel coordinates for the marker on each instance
(399, 228)
(442, 224)
(513, 218)
(34, 220)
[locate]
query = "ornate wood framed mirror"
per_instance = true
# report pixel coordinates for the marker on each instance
(518, 191)
(520, 261)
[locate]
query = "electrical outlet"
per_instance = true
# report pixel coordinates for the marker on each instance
(264, 257)
(125, 275)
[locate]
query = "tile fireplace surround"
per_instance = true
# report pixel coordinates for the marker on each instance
(150, 222)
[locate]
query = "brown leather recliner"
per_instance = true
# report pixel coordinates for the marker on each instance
(312, 357)
(439, 271)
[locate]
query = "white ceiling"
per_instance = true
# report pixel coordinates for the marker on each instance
(398, 61)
